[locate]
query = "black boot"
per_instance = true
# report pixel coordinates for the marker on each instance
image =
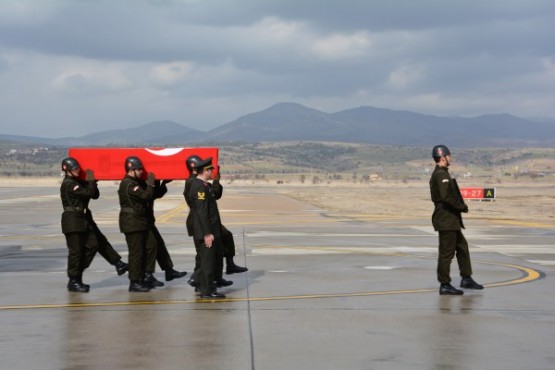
(173, 274)
(80, 280)
(468, 283)
(195, 284)
(136, 286)
(75, 286)
(151, 281)
(232, 268)
(121, 267)
(448, 289)
(213, 295)
(222, 283)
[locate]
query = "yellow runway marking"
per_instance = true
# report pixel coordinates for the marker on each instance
(538, 225)
(166, 217)
(529, 275)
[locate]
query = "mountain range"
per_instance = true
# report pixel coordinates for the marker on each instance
(295, 122)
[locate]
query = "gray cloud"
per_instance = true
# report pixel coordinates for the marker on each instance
(85, 65)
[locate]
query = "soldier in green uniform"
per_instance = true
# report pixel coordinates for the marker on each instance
(447, 221)
(135, 195)
(228, 242)
(83, 236)
(206, 230)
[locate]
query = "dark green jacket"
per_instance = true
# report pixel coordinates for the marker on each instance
(447, 199)
(75, 195)
(135, 198)
(204, 209)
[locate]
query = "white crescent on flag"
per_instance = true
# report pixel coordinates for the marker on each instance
(164, 152)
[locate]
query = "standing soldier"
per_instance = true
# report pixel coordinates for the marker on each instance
(447, 221)
(135, 194)
(83, 236)
(228, 243)
(206, 230)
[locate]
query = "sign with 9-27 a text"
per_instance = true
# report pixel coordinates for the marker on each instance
(478, 193)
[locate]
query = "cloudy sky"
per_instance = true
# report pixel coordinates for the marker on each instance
(73, 67)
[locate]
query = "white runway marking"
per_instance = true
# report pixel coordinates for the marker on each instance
(544, 263)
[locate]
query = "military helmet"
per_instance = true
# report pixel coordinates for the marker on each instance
(133, 163)
(70, 164)
(192, 162)
(440, 150)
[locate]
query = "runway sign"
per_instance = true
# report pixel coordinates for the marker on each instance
(165, 163)
(478, 193)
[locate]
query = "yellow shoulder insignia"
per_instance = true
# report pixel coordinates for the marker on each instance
(201, 195)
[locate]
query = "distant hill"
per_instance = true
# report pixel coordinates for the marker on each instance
(160, 133)
(295, 122)
(290, 121)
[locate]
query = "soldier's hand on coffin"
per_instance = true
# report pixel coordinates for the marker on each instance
(89, 175)
(150, 179)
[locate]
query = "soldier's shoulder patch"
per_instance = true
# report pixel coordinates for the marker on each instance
(201, 195)
(445, 180)
(75, 187)
(136, 188)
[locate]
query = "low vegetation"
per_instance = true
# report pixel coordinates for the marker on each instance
(315, 162)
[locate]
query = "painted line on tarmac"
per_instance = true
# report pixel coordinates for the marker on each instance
(528, 275)
(537, 225)
(166, 217)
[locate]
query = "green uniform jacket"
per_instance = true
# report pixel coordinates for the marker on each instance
(447, 199)
(135, 196)
(76, 195)
(204, 209)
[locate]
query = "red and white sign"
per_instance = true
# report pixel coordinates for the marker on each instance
(472, 193)
(165, 163)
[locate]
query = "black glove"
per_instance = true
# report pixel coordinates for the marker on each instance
(217, 177)
(90, 175)
(465, 210)
(150, 179)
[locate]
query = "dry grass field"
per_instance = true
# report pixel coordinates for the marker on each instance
(523, 202)
(518, 201)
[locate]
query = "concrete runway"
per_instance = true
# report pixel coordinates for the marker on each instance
(324, 291)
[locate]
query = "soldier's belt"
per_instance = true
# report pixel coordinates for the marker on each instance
(130, 210)
(76, 209)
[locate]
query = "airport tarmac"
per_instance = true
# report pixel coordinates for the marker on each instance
(324, 290)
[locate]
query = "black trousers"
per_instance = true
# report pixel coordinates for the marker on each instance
(228, 243)
(452, 243)
(80, 255)
(162, 255)
(142, 255)
(211, 265)
(228, 246)
(98, 241)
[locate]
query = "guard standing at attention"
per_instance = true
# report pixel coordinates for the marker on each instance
(447, 221)
(206, 230)
(83, 236)
(228, 244)
(135, 194)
